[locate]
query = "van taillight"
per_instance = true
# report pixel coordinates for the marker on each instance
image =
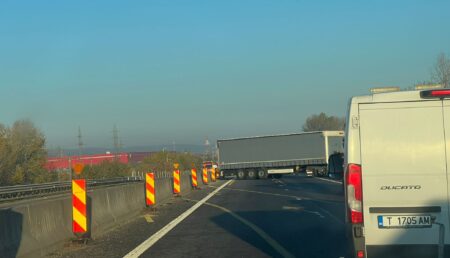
(354, 193)
(429, 94)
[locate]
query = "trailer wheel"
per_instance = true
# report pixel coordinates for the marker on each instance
(241, 174)
(321, 172)
(315, 173)
(262, 174)
(251, 174)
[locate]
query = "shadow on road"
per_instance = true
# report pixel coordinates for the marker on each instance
(300, 233)
(10, 232)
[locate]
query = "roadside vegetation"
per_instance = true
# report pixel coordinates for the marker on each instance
(106, 169)
(441, 71)
(157, 162)
(164, 161)
(23, 155)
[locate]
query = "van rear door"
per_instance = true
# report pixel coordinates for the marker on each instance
(404, 172)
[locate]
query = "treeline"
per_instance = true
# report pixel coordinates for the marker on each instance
(164, 161)
(157, 162)
(23, 155)
(106, 169)
(323, 122)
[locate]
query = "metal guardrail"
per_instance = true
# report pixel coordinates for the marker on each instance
(9, 193)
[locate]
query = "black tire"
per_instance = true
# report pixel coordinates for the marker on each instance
(251, 174)
(241, 174)
(322, 172)
(262, 174)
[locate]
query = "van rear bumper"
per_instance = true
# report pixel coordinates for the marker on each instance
(407, 251)
(355, 233)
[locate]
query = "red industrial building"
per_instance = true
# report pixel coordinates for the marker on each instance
(63, 163)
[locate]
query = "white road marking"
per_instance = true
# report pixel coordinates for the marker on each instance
(316, 213)
(272, 242)
(291, 196)
(329, 180)
(296, 208)
(331, 215)
(144, 246)
(292, 208)
(278, 181)
(273, 194)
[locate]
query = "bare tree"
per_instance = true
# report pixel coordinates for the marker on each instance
(323, 122)
(441, 71)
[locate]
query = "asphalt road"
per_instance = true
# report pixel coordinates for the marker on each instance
(291, 217)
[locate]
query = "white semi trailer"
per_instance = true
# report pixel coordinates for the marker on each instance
(275, 155)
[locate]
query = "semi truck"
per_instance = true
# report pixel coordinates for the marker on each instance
(276, 155)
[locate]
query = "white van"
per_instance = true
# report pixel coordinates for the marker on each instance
(397, 159)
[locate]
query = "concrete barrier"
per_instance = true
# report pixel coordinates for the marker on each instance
(36, 227)
(163, 190)
(186, 184)
(113, 205)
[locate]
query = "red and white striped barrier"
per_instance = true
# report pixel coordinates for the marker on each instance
(149, 189)
(79, 210)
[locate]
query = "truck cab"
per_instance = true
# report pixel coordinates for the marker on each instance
(336, 166)
(397, 159)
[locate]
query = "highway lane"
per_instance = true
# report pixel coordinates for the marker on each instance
(291, 217)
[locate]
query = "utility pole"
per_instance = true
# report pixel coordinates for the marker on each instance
(60, 151)
(80, 142)
(207, 144)
(116, 140)
(213, 152)
(70, 168)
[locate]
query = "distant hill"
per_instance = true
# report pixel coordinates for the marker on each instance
(96, 150)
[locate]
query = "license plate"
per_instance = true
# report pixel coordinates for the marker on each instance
(402, 221)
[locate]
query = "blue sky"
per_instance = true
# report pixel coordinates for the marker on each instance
(183, 70)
